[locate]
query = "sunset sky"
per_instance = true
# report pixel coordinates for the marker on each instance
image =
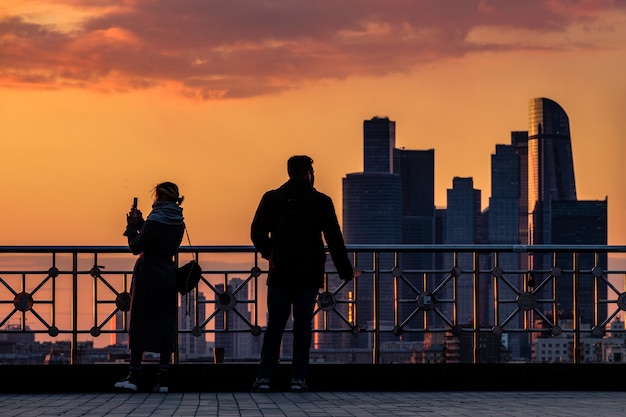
(101, 99)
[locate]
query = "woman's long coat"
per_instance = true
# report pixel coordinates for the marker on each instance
(154, 298)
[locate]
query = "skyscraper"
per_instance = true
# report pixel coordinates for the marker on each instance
(372, 199)
(390, 202)
(505, 196)
(556, 217)
(190, 346)
(463, 213)
(463, 226)
(379, 141)
(580, 223)
(550, 165)
(372, 214)
(417, 176)
(417, 172)
(507, 207)
(372, 208)
(519, 141)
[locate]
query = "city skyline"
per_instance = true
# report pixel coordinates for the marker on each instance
(99, 104)
(533, 202)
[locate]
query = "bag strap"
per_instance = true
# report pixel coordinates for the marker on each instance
(193, 255)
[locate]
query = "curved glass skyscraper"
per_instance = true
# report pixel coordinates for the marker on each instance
(550, 164)
(556, 216)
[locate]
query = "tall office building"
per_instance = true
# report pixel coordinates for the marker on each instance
(556, 217)
(372, 199)
(372, 214)
(417, 172)
(519, 141)
(463, 226)
(504, 227)
(580, 223)
(505, 196)
(463, 212)
(372, 208)
(190, 346)
(379, 141)
(391, 202)
(550, 165)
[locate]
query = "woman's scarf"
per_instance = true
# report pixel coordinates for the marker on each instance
(166, 212)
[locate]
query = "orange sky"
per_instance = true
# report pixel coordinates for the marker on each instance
(100, 100)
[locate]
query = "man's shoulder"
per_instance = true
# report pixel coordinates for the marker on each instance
(285, 192)
(321, 196)
(273, 194)
(325, 200)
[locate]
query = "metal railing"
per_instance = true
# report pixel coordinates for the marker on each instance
(466, 297)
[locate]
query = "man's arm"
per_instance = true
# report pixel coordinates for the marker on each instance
(261, 226)
(334, 240)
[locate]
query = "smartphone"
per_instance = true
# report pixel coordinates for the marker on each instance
(135, 202)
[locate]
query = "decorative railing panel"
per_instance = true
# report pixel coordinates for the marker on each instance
(472, 303)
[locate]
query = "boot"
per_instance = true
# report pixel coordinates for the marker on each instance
(163, 382)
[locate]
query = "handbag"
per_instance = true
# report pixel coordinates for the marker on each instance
(188, 276)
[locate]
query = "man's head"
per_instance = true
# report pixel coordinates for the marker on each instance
(300, 166)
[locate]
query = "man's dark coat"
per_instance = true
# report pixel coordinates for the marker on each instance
(320, 219)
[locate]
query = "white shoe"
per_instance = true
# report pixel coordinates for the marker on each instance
(130, 383)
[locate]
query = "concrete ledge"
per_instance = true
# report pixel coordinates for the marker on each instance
(327, 377)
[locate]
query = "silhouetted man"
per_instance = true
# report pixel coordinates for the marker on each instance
(287, 230)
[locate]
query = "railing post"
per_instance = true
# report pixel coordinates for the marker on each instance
(74, 348)
(176, 353)
(376, 347)
(576, 310)
(476, 326)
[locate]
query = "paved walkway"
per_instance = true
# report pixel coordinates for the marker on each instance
(318, 404)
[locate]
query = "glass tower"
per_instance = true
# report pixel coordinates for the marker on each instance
(556, 217)
(550, 165)
(507, 207)
(505, 195)
(372, 214)
(582, 222)
(379, 140)
(463, 226)
(417, 170)
(372, 199)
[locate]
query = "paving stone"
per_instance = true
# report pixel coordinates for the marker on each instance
(318, 404)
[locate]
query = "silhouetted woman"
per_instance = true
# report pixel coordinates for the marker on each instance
(154, 298)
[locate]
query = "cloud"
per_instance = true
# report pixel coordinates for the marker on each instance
(215, 49)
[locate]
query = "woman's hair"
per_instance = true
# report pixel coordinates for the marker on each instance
(168, 191)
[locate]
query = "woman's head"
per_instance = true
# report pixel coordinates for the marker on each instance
(167, 191)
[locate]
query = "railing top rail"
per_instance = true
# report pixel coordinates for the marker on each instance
(351, 248)
(118, 249)
(487, 248)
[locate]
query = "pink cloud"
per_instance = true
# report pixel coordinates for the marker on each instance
(238, 48)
